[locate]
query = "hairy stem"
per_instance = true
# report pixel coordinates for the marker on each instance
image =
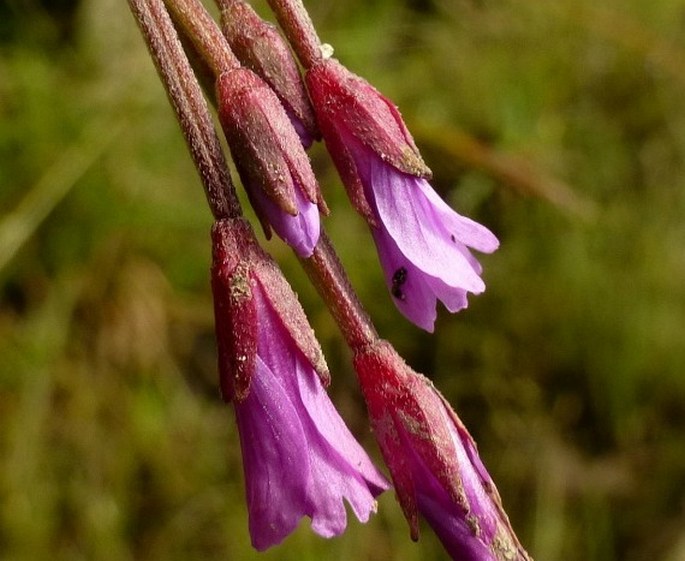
(205, 34)
(294, 19)
(328, 276)
(190, 106)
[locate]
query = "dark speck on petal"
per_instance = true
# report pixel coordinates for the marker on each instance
(398, 279)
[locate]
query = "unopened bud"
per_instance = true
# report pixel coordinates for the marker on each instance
(260, 47)
(270, 158)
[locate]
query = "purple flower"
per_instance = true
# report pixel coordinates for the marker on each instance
(301, 231)
(299, 458)
(422, 243)
(433, 461)
(306, 136)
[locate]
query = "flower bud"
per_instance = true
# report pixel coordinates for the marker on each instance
(269, 156)
(433, 461)
(260, 47)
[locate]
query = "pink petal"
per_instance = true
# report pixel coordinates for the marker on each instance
(414, 298)
(467, 231)
(275, 478)
(299, 457)
(417, 229)
(301, 232)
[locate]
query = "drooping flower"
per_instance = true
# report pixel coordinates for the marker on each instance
(433, 461)
(299, 458)
(270, 159)
(260, 47)
(423, 244)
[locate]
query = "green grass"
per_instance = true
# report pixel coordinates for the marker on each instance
(560, 125)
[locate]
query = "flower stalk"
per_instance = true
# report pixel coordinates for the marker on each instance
(328, 276)
(205, 34)
(294, 19)
(299, 458)
(189, 105)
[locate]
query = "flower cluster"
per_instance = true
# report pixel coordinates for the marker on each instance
(270, 159)
(423, 245)
(299, 457)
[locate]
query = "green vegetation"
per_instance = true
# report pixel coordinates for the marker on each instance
(560, 125)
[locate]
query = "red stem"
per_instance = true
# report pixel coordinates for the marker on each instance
(328, 276)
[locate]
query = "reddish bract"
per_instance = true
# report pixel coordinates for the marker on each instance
(267, 151)
(260, 47)
(237, 263)
(350, 110)
(433, 460)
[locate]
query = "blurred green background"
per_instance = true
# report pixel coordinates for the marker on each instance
(560, 125)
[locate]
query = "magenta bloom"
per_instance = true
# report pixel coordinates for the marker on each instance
(301, 231)
(299, 458)
(422, 243)
(434, 461)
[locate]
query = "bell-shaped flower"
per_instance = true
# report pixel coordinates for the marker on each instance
(299, 458)
(423, 244)
(433, 461)
(270, 159)
(261, 48)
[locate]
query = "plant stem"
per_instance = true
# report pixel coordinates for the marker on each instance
(190, 106)
(205, 34)
(294, 19)
(225, 5)
(328, 276)
(323, 267)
